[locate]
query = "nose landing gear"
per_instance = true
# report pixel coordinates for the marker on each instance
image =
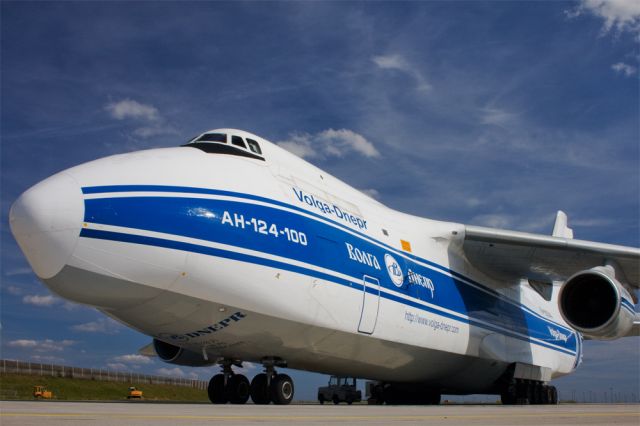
(265, 387)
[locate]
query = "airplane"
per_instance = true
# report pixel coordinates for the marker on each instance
(230, 249)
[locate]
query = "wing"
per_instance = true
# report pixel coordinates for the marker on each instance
(510, 254)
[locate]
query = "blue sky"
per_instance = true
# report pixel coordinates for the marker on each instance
(489, 113)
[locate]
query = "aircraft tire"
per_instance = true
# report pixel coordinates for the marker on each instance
(238, 389)
(282, 389)
(554, 395)
(435, 398)
(259, 390)
(538, 393)
(216, 391)
(335, 399)
(547, 394)
(509, 395)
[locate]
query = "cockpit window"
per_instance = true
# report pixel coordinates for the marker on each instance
(238, 141)
(254, 146)
(213, 137)
(238, 146)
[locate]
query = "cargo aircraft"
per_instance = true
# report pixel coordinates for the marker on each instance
(230, 249)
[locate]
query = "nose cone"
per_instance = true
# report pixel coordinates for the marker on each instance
(46, 221)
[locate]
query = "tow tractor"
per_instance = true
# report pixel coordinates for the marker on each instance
(340, 389)
(41, 392)
(134, 393)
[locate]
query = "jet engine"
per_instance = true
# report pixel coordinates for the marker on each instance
(591, 301)
(176, 355)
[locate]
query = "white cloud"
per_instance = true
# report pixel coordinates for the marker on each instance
(17, 271)
(47, 358)
(623, 15)
(37, 300)
(128, 108)
(176, 372)
(155, 124)
(373, 193)
(392, 62)
(496, 117)
(147, 132)
(46, 345)
(14, 291)
(116, 366)
(493, 220)
(622, 68)
(23, 343)
(399, 63)
(101, 325)
(329, 143)
(133, 359)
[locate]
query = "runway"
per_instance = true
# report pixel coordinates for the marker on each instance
(153, 414)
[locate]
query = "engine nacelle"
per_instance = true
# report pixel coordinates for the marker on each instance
(591, 301)
(176, 355)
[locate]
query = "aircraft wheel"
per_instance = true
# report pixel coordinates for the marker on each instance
(390, 396)
(435, 398)
(216, 391)
(554, 395)
(282, 389)
(259, 390)
(509, 395)
(336, 400)
(530, 393)
(537, 394)
(238, 389)
(547, 394)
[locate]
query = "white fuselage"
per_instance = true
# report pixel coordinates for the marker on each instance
(241, 258)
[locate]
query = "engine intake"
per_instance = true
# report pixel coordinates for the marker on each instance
(176, 355)
(591, 302)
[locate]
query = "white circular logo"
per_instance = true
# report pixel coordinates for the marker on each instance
(394, 270)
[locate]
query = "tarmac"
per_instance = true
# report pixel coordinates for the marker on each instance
(142, 413)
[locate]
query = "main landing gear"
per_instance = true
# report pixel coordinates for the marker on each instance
(265, 387)
(399, 394)
(520, 391)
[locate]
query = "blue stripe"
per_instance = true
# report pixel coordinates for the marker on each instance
(631, 310)
(195, 190)
(195, 248)
(183, 216)
(627, 304)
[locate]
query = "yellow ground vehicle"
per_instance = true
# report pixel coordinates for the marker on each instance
(42, 392)
(134, 393)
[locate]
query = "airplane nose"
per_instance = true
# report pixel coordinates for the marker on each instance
(46, 221)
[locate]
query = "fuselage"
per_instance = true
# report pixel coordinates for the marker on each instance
(246, 256)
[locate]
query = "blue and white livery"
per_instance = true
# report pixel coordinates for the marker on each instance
(231, 249)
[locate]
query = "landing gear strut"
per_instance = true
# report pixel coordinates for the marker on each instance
(228, 386)
(270, 386)
(519, 391)
(265, 387)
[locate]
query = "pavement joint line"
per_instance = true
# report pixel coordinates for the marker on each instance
(330, 417)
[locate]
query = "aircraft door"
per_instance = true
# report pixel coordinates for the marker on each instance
(370, 304)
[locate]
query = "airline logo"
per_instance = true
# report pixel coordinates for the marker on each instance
(422, 281)
(394, 270)
(362, 256)
(558, 335)
(329, 209)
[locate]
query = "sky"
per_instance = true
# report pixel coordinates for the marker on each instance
(486, 113)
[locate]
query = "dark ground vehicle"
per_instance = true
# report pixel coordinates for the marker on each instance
(340, 389)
